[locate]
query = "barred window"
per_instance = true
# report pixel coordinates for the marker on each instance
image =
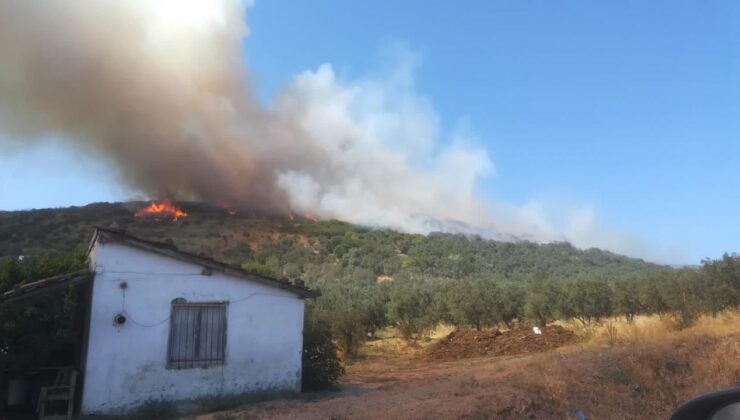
(197, 335)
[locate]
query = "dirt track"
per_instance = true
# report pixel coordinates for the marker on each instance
(644, 380)
(411, 389)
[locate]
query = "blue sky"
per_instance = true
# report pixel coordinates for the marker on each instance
(629, 107)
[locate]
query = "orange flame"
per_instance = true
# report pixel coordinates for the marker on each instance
(290, 216)
(229, 208)
(308, 216)
(161, 210)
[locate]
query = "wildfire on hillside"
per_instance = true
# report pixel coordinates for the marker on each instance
(306, 216)
(229, 208)
(161, 210)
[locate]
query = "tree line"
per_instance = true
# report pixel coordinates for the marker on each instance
(371, 279)
(437, 255)
(355, 305)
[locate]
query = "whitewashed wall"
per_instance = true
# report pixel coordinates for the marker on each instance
(126, 366)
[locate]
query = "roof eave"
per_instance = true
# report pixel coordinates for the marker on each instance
(121, 237)
(39, 287)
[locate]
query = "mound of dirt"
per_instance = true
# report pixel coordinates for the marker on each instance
(464, 343)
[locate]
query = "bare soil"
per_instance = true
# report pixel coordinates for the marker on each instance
(645, 379)
(465, 343)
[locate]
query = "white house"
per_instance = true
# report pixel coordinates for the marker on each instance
(167, 325)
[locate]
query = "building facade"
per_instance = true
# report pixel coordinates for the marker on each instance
(170, 326)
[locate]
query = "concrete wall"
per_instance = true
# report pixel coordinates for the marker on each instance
(127, 366)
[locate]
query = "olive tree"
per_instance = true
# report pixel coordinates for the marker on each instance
(412, 308)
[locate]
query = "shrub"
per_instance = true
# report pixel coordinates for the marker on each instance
(257, 268)
(321, 366)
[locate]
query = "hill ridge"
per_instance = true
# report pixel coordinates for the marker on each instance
(295, 245)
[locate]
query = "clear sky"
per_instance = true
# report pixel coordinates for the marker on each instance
(631, 107)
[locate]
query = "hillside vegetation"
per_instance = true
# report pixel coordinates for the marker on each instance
(372, 280)
(304, 248)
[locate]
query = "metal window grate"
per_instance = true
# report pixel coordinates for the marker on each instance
(197, 335)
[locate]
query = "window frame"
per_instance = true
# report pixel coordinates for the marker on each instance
(196, 362)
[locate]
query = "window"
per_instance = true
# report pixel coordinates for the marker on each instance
(197, 335)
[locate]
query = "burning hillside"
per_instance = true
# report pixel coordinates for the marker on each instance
(163, 210)
(211, 231)
(160, 91)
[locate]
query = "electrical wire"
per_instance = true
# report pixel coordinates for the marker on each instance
(156, 324)
(148, 325)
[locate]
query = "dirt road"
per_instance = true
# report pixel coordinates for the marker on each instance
(641, 380)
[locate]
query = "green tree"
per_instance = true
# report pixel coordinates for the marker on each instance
(542, 302)
(352, 309)
(721, 283)
(627, 299)
(411, 308)
(512, 304)
(651, 298)
(682, 295)
(477, 303)
(47, 325)
(586, 300)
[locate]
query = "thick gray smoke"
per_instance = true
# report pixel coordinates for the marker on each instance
(160, 90)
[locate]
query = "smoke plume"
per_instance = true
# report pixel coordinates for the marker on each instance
(160, 89)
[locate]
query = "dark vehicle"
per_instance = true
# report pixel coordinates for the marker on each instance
(719, 405)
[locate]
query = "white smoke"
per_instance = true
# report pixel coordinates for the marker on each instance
(381, 166)
(159, 88)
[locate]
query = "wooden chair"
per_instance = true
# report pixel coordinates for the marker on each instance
(62, 390)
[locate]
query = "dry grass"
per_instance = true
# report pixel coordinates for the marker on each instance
(390, 343)
(644, 367)
(618, 331)
(722, 368)
(619, 370)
